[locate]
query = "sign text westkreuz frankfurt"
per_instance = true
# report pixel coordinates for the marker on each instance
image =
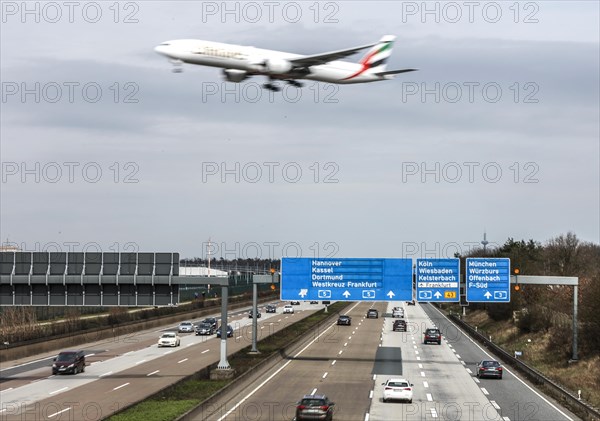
(346, 279)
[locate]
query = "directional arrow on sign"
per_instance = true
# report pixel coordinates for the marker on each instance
(391, 294)
(346, 294)
(487, 295)
(437, 295)
(303, 292)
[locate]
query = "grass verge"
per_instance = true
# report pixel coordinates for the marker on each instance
(178, 399)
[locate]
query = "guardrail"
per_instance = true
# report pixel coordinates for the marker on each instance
(584, 409)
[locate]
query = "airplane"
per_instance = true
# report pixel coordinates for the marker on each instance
(241, 62)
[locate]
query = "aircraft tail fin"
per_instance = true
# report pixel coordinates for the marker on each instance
(377, 56)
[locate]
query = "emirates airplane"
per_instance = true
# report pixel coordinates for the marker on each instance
(241, 62)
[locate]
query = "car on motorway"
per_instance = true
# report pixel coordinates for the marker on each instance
(169, 339)
(185, 327)
(410, 303)
(397, 389)
(344, 320)
(69, 362)
(432, 335)
(314, 407)
(288, 309)
(489, 368)
(295, 303)
(372, 313)
(270, 308)
(251, 314)
(205, 329)
(229, 331)
(212, 321)
(397, 312)
(399, 325)
(326, 302)
(314, 302)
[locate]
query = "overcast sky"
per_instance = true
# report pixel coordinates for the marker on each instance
(104, 148)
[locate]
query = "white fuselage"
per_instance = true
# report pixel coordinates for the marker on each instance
(252, 60)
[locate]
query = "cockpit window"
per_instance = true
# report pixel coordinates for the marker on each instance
(164, 44)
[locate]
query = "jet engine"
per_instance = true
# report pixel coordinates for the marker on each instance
(235, 75)
(277, 66)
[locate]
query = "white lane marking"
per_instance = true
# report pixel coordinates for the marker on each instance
(349, 337)
(262, 327)
(59, 412)
(371, 394)
(484, 390)
(58, 391)
(416, 352)
(89, 355)
(314, 391)
(433, 413)
(425, 384)
(127, 353)
(429, 397)
(205, 351)
(237, 405)
(333, 362)
(462, 362)
(422, 374)
(118, 387)
(346, 344)
(420, 365)
(367, 416)
(495, 405)
(414, 342)
(374, 376)
(105, 374)
(449, 345)
(418, 358)
(469, 371)
(505, 369)
(476, 379)
(154, 372)
(340, 353)
(457, 356)
(506, 418)
(139, 362)
(414, 346)
(182, 361)
(454, 350)
(325, 375)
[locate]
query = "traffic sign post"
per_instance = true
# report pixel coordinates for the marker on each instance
(438, 280)
(346, 279)
(488, 280)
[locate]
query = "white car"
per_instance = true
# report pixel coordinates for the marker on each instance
(397, 389)
(169, 339)
(288, 309)
(397, 312)
(186, 327)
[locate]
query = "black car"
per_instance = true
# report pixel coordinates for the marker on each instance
(344, 320)
(212, 321)
(69, 362)
(489, 368)
(295, 303)
(326, 302)
(399, 326)
(372, 314)
(205, 329)
(314, 407)
(251, 314)
(410, 303)
(229, 331)
(270, 308)
(314, 302)
(432, 335)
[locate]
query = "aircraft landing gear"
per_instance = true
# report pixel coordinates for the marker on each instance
(271, 87)
(295, 83)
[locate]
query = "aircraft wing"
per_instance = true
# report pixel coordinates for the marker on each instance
(323, 58)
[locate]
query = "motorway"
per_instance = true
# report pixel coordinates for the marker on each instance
(350, 363)
(346, 363)
(123, 370)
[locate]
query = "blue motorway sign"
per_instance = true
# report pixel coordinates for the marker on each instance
(346, 279)
(438, 280)
(488, 280)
